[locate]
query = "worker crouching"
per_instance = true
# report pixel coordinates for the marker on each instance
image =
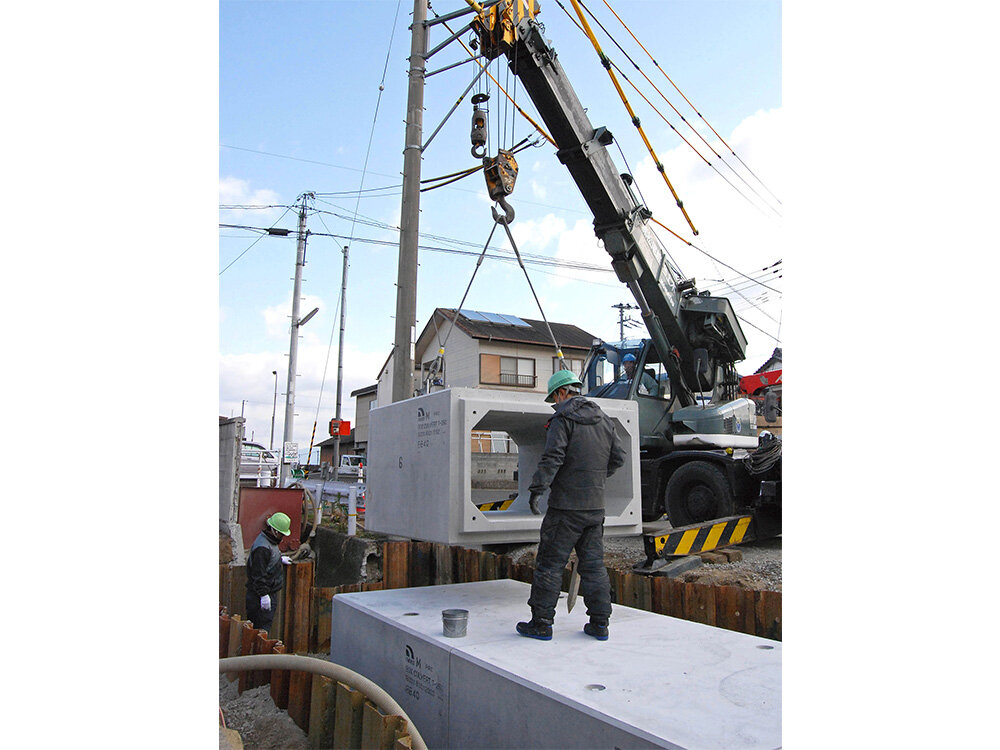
(582, 449)
(265, 577)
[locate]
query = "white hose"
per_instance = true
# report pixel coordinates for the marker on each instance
(373, 692)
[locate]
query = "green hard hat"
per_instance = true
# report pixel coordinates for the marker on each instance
(559, 379)
(280, 523)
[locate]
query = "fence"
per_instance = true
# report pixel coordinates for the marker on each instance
(303, 614)
(331, 713)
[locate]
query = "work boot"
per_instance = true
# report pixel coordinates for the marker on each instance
(597, 630)
(536, 629)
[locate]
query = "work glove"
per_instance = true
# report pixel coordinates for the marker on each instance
(286, 560)
(533, 504)
(265, 602)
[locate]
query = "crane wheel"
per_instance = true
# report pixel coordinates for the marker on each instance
(698, 492)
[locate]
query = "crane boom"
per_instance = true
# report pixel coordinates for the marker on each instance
(695, 326)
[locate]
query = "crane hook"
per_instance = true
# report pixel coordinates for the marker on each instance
(508, 216)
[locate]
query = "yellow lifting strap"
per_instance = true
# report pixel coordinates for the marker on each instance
(635, 120)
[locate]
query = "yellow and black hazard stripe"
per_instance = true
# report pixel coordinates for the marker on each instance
(497, 505)
(690, 540)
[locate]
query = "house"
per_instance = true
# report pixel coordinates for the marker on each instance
(489, 350)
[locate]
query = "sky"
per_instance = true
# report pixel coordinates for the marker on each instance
(118, 324)
(301, 110)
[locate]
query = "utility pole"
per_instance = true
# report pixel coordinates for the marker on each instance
(274, 407)
(340, 365)
(622, 307)
(406, 280)
(293, 347)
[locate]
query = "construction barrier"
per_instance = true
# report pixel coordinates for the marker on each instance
(303, 615)
(330, 712)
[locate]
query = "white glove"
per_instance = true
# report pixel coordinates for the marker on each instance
(265, 602)
(286, 560)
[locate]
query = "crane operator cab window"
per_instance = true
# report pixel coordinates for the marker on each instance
(649, 380)
(652, 381)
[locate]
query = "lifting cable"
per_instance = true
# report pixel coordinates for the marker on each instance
(523, 114)
(664, 118)
(497, 219)
(506, 228)
(635, 120)
(436, 367)
(694, 108)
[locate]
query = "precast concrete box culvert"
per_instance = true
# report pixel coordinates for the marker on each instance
(420, 461)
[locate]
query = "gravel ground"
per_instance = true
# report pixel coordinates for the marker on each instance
(760, 568)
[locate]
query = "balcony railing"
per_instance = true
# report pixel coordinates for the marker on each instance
(521, 381)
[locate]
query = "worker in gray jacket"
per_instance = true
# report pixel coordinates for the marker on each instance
(582, 449)
(265, 578)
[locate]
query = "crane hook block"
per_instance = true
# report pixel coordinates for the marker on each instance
(500, 172)
(479, 121)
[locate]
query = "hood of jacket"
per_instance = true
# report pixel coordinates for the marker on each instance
(580, 410)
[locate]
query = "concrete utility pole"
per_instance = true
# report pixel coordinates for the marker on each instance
(622, 307)
(293, 347)
(340, 365)
(274, 407)
(406, 280)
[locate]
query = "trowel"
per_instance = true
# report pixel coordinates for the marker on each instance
(574, 585)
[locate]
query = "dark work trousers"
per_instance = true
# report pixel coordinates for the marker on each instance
(561, 532)
(261, 618)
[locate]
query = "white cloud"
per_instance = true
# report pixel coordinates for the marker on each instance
(234, 191)
(538, 190)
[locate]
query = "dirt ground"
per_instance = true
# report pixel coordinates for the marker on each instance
(261, 724)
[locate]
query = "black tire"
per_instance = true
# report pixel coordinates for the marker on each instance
(698, 492)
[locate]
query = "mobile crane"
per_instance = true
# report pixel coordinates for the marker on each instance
(700, 463)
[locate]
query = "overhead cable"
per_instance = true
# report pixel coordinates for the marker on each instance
(694, 109)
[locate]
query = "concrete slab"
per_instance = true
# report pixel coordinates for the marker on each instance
(658, 682)
(420, 473)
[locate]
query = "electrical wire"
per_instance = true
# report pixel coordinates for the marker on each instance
(693, 108)
(262, 236)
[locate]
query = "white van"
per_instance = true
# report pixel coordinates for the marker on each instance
(258, 466)
(351, 466)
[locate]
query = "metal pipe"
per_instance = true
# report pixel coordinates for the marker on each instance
(385, 702)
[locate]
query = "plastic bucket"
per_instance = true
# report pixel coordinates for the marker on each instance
(455, 622)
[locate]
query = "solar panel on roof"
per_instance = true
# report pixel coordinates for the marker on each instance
(515, 321)
(473, 315)
(488, 317)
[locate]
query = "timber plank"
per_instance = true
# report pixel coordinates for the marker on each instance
(659, 595)
(396, 565)
(300, 697)
(322, 713)
(247, 634)
(699, 603)
(279, 680)
(302, 574)
(378, 730)
(732, 608)
(224, 621)
(347, 726)
(675, 598)
(767, 612)
(421, 564)
(323, 606)
(443, 568)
